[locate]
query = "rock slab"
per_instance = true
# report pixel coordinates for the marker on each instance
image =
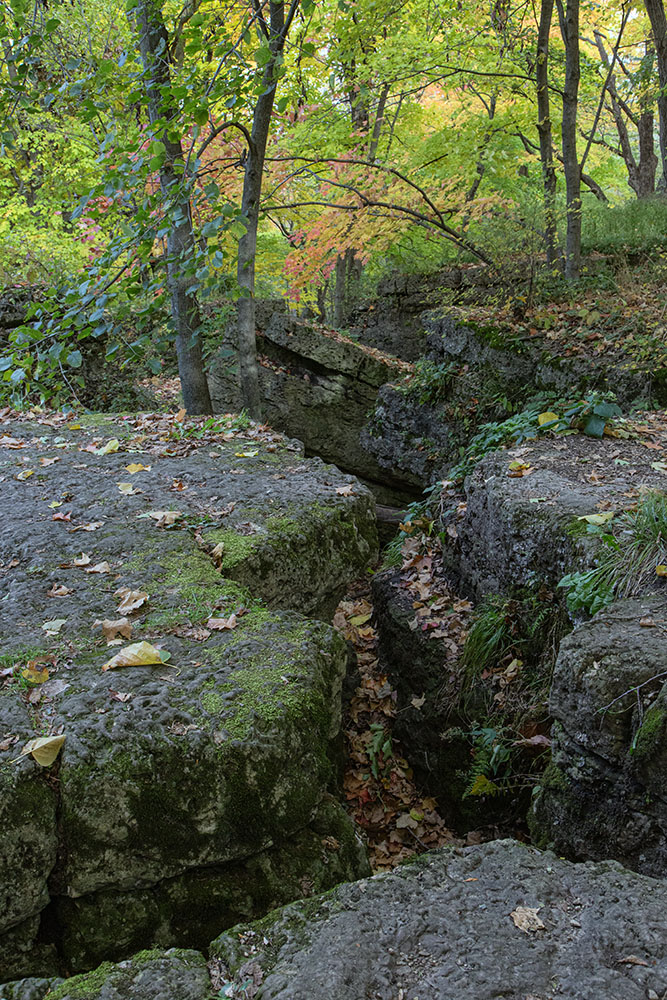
(498, 921)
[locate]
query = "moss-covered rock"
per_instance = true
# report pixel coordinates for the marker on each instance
(177, 769)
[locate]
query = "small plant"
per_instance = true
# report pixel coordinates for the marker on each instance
(430, 381)
(380, 749)
(633, 559)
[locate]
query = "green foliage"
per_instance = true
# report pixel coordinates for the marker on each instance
(633, 545)
(637, 226)
(380, 750)
(430, 381)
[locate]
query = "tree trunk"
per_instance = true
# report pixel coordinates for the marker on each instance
(553, 252)
(656, 12)
(641, 174)
(153, 45)
(250, 203)
(569, 26)
(340, 275)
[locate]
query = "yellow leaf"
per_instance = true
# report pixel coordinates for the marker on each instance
(360, 619)
(246, 454)
(44, 749)
(139, 654)
(547, 417)
(661, 570)
(109, 447)
(126, 488)
(136, 467)
(597, 518)
(515, 466)
(55, 503)
(25, 474)
(34, 674)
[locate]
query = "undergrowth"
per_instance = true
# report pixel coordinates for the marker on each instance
(633, 558)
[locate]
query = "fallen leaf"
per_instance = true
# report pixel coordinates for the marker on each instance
(120, 695)
(246, 454)
(53, 627)
(135, 467)
(44, 749)
(26, 474)
(345, 491)
(164, 518)
(102, 567)
(597, 518)
(361, 619)
(81, 560)
(113, 629)
(61, 517)
(647, 623)
(418, 702)
(139, 654)
(110, 447)
(127, 489)
(180, 416)
(130, 600)
(526, 919)
(55, 503)
(661, 569)
(35, 673)
(632, 960)
(89, 526)
(58, 590)
(48, 461)
(222, 623)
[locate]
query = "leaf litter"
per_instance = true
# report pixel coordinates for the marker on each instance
(379, 785)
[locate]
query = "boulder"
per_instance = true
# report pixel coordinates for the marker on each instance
(501, 920)
(212, 765)
(605, 792)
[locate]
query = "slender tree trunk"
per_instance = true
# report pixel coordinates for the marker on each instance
(339, 292)
(553, 252)
(656, 12)
(569, 25)
(250, 203)
(153, 45)
(641, 173)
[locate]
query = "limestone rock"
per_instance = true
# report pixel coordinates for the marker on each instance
(605, 793)
(176, 769)
(445, 925)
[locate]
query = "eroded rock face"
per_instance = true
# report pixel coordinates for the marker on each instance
(443, 926)
(520, 531)
(605, 792)
(215, 763)
(318, 387)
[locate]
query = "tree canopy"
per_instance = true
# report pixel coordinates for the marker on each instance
(161, 157)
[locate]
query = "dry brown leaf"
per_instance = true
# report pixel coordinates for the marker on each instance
(526, 919)
(130, 600)
(58, 590)
(112, 629)
(102, 567)
(222, 623)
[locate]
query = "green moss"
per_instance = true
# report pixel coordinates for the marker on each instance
(236, 547)
(554, 777)
(649, 736)
(88, 984)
